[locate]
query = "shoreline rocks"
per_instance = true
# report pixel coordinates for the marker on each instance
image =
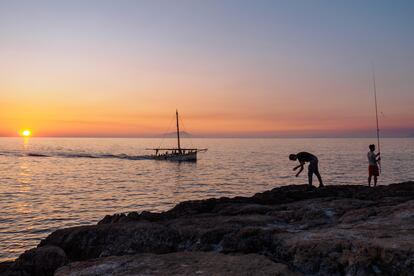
(335, 230)
(178, 263)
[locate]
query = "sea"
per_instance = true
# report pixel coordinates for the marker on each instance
(52, 183)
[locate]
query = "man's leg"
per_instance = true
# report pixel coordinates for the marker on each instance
(316, 172)
(318, 175)
(369, 181)
(375, 180)
(310, 173)
(310, 178)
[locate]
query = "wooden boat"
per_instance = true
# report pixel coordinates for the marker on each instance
(176, 154)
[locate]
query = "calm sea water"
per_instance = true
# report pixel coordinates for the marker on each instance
(50, 183)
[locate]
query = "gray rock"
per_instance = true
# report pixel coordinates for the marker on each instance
(42, 261)
(182, 263)
(335, 230)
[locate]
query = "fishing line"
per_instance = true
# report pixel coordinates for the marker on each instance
(376, 116)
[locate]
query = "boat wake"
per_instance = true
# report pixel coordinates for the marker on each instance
(76, 155)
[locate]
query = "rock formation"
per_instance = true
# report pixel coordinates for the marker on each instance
(179, 263)
(335, 230)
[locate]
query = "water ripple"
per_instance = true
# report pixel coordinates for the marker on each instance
(50, 183)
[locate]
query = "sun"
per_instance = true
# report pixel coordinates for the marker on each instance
(26, 133)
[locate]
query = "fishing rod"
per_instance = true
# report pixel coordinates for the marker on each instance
(376, 116)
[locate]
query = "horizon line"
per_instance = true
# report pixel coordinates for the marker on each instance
(215, 137)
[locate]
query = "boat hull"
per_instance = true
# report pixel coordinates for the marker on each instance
(178, 157)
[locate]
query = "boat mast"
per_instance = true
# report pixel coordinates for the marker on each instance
(178, 131)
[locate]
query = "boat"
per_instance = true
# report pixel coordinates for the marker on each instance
(176, 154)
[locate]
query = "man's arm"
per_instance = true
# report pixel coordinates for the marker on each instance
(299, 166)
(301, 169)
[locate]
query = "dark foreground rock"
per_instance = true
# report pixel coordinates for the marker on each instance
(335, 230)
(38, 261)
(180, 263)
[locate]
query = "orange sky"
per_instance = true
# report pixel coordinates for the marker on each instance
(122, 71)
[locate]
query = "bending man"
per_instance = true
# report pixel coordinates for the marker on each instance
(304, 157)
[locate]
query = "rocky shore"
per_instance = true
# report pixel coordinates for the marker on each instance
(292, 230)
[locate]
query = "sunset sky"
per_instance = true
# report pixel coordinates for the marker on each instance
(232, 68)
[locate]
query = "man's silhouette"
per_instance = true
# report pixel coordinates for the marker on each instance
(304, 157)
(373, 169)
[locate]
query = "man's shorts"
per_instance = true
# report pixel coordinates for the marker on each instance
(373, 170)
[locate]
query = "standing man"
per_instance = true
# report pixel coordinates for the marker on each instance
(373, 169)
(304, 157)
